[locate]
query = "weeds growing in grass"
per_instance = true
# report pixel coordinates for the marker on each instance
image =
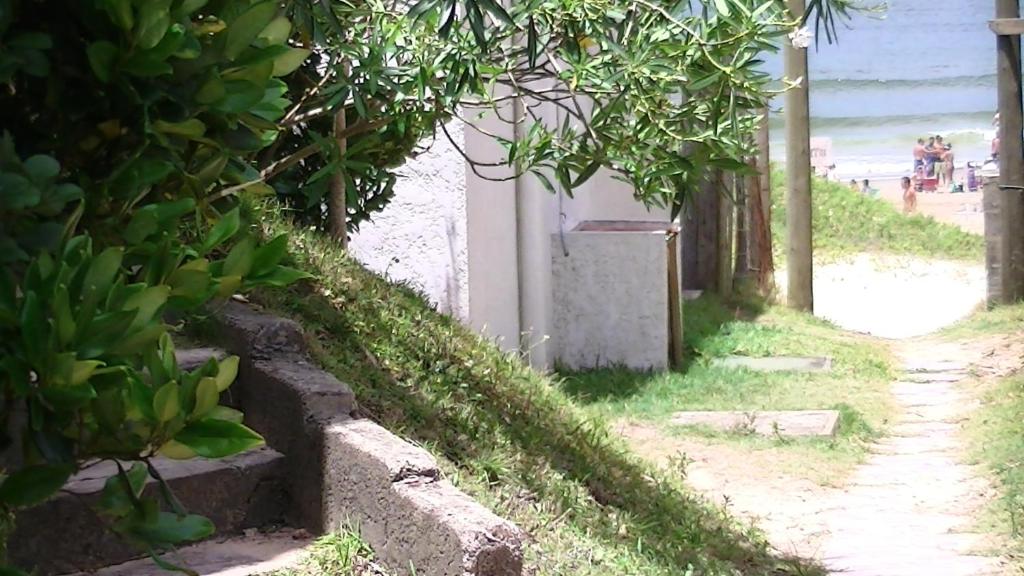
(340, 554)
(997, 440)
(846, 222)
(507, 435)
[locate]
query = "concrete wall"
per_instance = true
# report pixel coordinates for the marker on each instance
(420, 237)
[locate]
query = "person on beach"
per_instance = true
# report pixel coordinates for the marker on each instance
(947, 164)
(909, 195)
(853, 185)
(919, 154)
(866, 188)
(931, 155)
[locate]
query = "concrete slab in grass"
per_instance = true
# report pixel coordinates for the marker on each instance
(692, 294)
(790, 423)
(804, 364)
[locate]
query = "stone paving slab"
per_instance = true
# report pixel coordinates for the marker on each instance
(765, 423)
(802, 364)
(934, 366)
(914, 445)
(932, 377)
(692, 294)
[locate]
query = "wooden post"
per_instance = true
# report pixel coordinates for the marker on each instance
(700, 236)
(1011, 158)
(675, 304)
(799, 262)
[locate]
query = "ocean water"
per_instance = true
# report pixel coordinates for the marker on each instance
(924, 67)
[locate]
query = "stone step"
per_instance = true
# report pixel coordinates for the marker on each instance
(191, 358)
(933, 377)
(249, 555)
(244, 491)
(799, 364)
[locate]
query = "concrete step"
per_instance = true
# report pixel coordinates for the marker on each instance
(64, 534)
(248, 555)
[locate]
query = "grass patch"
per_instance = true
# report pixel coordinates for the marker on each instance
(996, 432)
(999, 320)
(857, 386)
(847, 222)
(341, 554)
(507, 435)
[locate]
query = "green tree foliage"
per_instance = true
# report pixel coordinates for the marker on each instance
(655, 92)
(129, 123)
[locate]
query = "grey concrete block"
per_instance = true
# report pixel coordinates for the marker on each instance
(765, 423)
(191, 358)
(392, 491)
(803, 364)
(235, 493)
(345, 472)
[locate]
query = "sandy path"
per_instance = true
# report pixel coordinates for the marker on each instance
(908, 509)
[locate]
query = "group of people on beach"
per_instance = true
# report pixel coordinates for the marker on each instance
(934, 159)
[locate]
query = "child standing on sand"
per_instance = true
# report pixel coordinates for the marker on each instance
(909, 195)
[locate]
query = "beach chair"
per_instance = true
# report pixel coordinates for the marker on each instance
(929, 184)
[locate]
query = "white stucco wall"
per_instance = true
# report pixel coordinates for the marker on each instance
(420, 237)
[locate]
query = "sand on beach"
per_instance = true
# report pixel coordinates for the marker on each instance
(961, 209)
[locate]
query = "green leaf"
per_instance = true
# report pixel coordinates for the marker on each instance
(269, 255)
(288, 62)
(247, 27)
(82, 370)
(280, 277)
(212, 438)
(32, 41)
(34, 329)
(207, 397)
(224, 230)
(277, 32)
(103, 269)
(102, 58)
(11, 571)
(42, 169)
(211, 91)
(168, 528)
(154, 20)
(147, 302)
(120, 12)
(227, 371)
(17, 192)
(165, 402)
(240, 260)
(192, 128)
(34, 484)
(225, 413)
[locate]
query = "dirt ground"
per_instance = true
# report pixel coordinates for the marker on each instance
(909, 509)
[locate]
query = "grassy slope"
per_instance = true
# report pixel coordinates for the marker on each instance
(857, 386)
(507, 435)
(847, 222)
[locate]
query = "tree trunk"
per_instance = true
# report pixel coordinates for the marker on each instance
(760, 205)
(799, 262)
(337, 212)
(742, 264)
(726, 185)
